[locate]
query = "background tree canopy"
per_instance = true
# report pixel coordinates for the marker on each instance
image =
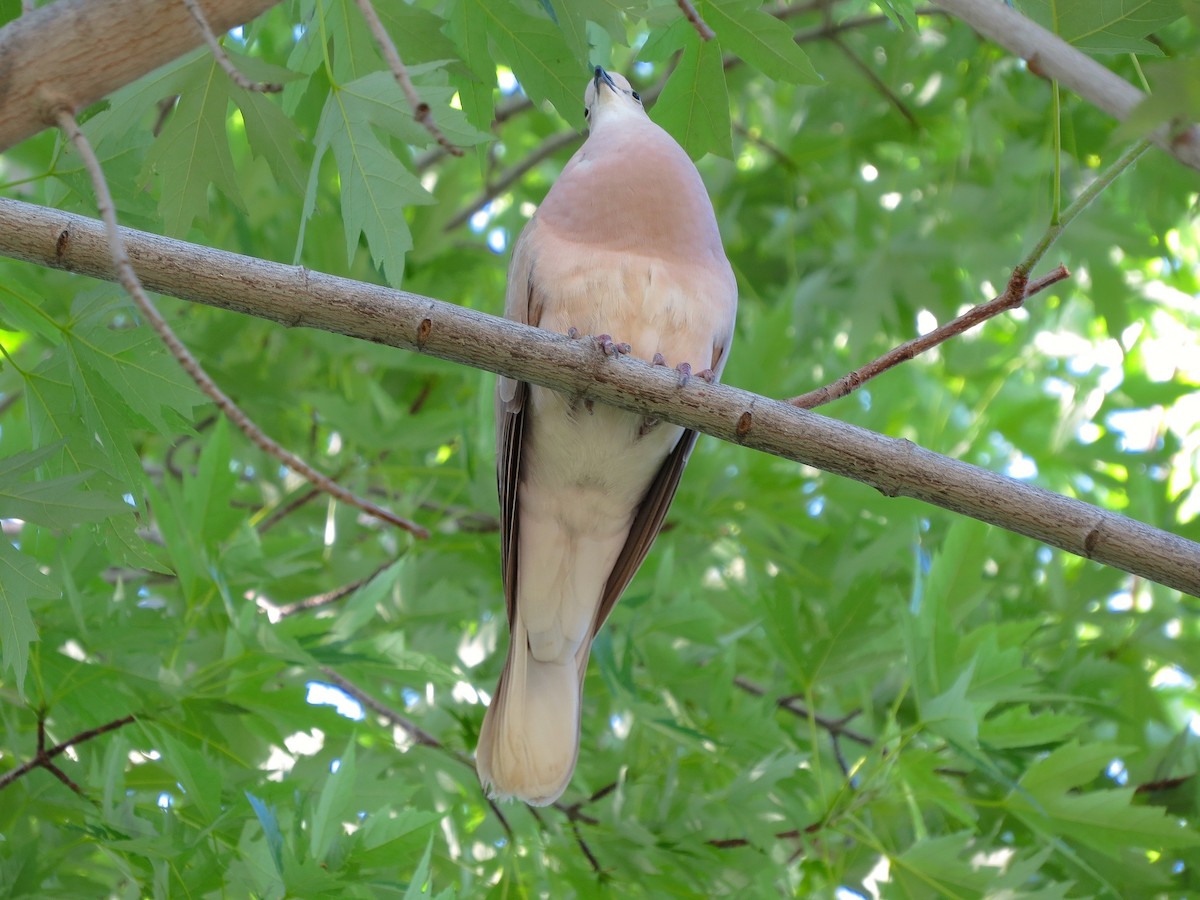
(810, 689)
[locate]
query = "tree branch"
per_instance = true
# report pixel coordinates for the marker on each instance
(42, 758)
(421, 111)
(1052, 57)
(298, 297)
(222, 58)
(1017, 292)
(71, 53)
(689, 13)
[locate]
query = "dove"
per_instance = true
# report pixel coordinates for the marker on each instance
(624, 247)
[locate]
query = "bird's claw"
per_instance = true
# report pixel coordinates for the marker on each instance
(610, 347)
(685, 373)
(658, 360)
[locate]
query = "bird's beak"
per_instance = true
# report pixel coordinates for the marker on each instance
(602, 76)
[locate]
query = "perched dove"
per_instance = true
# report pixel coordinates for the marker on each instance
(625, 244)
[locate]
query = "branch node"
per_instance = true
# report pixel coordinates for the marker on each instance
(744, 423)
(420, 108)
(222, 58)
(689, 13)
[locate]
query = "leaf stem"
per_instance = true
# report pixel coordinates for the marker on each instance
(1079, 204)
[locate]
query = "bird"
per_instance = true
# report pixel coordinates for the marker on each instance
(625, 248)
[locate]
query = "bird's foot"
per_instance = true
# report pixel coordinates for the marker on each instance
(685, 370)
(610, 347)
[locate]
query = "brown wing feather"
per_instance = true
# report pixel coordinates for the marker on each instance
(510, 415)
(510, 429)
(646, 524)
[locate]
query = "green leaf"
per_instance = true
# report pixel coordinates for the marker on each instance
(1176, 97)
(20, 582)
(192, 152)
(270, 825)
(1069, 766)
(421, 885)
(1018, 727)
(56, 503)
(376, 187)
(274, 137)
(539, 56)
(694, 105)
(937, 866)
(335, 801)
(1116, 26)
(759, 38)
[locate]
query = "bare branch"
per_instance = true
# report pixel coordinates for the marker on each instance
(222, 58)
(294, 296)
(316, 601)
(42, 759)
(411, 728)
(129, 280)
(421, 110)
(689, 13)
(878, 83)
(510, 176)
(414, 731)
(1014, 295)
(836, 727)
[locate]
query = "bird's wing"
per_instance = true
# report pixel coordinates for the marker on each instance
(648, 520)
(510, 414)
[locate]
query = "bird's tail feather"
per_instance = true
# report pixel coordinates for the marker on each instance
(529, 740)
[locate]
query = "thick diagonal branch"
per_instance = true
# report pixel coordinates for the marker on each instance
(1051, 56)
(298, 297)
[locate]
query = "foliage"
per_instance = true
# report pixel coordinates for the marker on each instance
(810, 687)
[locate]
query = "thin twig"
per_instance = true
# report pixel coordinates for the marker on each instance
(421, 111)
(509, 176)
(689, 13)
(42, 759)
(505, 111)
(281, 512)
(1019, 289)
(730, 843)
(414, 731)
(316, 601)
(1010, 299)
(878, 83)
(792, 705)
(131, 283)
(222, 58)
(1079, 204)
(9, 399)
(583, 845)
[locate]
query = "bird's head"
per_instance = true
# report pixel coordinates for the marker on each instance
(609, 96)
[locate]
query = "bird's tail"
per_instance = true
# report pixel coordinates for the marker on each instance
(530, 736)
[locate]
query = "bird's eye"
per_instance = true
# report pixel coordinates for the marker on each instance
(636, 96)
(586, 112)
